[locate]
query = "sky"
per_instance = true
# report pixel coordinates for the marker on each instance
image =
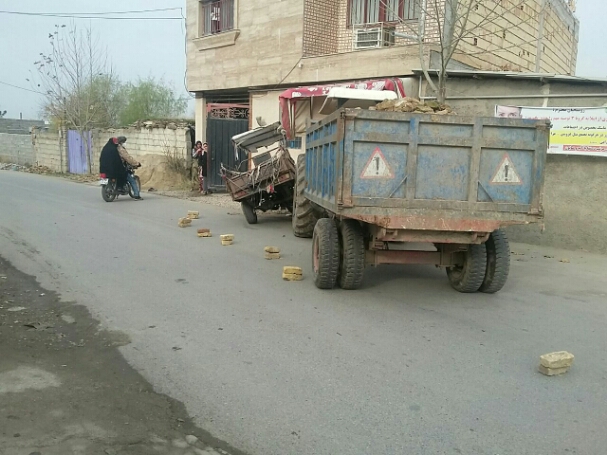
(145, 47)
(136, 48)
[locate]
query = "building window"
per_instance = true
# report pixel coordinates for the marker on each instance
(362, 12)
(216, 16)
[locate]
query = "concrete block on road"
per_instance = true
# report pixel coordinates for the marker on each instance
(271, 256)
(204, 232)
(193, 214)
(560, 359)
(291, 273)
(553, 371)
(227, 237)
(184, 222)
(271, 249)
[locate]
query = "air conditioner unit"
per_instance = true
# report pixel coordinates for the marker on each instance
(367, 38)
(370, 38)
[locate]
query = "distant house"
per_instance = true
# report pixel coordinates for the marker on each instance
(18, 126)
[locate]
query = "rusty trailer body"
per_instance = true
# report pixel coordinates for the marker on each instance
(389, 179)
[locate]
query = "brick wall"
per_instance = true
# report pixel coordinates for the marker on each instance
(16, 148)
(500, 35)
(320, 32)
(505, 36)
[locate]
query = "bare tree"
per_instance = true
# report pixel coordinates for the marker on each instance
(74, 77)
(455, 22)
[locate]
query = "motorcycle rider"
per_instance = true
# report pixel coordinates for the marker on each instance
(124, 155)
(110, 163)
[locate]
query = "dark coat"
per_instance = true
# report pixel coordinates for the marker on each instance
(202, 159)
(111, 164)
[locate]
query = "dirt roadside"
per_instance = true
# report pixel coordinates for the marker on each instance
(66, 389)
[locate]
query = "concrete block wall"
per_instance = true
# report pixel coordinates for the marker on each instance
(16, 148)
(145, 143)
(50, 149)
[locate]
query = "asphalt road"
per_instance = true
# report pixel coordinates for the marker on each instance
(403, 366)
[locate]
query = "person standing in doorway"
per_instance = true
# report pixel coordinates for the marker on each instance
(201, 153)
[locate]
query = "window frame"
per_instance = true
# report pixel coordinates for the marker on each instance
(382, 14)
(206, 20)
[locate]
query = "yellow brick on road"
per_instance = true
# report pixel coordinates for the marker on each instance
(184, 222)
(193, 214)
(227, 237)
(291, 273)
(272, 249)
(560, 359)
(553, 371)
(271, 255)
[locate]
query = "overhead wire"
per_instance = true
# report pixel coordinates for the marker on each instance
(22, 88)
(100, 15)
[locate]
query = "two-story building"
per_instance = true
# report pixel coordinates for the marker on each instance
(243, 53)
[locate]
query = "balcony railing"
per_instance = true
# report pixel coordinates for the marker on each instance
(216, 16)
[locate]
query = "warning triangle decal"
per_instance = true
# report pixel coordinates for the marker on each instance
(377, 167)
(506, 173)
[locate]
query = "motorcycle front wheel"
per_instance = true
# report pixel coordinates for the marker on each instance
(108, 192)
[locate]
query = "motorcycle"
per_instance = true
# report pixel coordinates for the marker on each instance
(109, 190)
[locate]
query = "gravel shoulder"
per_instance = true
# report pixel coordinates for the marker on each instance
(66, 389)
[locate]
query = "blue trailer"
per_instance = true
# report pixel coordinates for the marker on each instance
(372, 183)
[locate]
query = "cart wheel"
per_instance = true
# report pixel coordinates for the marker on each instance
(304, 217)
(325, 253)
(469, 276)
(498, 262)
(352, 265)
(249, 212)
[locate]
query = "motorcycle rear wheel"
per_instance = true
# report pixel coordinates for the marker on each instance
(108, 192)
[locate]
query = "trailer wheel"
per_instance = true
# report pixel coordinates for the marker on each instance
(352, 265)
(498, 262)
(249, 212)
(469, 276)
(304, 217)
(325, 253)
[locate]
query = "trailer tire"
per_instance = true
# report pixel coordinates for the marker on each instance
(325, 253)
(304, 216)
(498, 262)
(352, 264)
(249, 212)
(469, 277)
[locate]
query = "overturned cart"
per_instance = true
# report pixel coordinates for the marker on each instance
(374, 183)
(269, 184)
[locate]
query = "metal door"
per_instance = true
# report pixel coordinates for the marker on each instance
(219, 136)
(76, 151)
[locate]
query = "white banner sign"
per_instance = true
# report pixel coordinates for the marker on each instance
(575, 131)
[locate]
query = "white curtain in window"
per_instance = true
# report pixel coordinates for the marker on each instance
(357, 12)
(372, 11)
(391, 10)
